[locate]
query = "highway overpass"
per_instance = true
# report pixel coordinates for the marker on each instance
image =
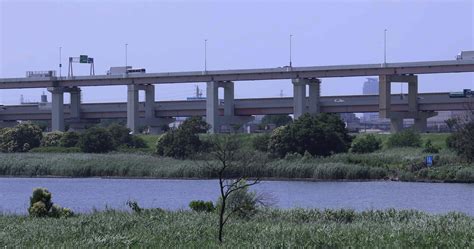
(237, 111)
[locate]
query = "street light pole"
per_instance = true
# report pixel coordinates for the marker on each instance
(60, 65)
(385, 46)
(290, 50)
(126, 55)
(205, 55)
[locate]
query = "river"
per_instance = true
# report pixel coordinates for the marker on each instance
(86, 194)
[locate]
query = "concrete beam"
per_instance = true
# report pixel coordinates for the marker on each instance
(314, 96)
(212, 102)
(299, 97)
(75, 106)
(413, 94)
(229, 99)
(384, 96)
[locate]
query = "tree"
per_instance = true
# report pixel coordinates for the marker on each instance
(226, 156)
(96, 140)
(20, 138)
(405, 138)
(277, 120)
(321, 135)
(462, 141)
(366, 144)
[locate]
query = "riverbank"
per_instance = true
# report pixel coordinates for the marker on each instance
(405, 164)
(268, 228)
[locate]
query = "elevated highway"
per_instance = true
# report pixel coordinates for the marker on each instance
(428, 102)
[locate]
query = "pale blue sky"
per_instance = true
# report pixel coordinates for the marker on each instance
(169, 36)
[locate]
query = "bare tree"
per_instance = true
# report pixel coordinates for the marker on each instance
(231, 164)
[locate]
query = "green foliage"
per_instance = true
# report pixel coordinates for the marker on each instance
(465, 175)
(277, 120)
(260, 142)
(366, 144)
(405, 138)
(272, 228)
(321, 135)
(430, 148)
(183, 142)
(69, 139)
(133, 205)
(202, 206)
(52, 149)
(462, 141)
(20, 138)
(52, 139)
(96, 140)
(122, 137)
(42, 206)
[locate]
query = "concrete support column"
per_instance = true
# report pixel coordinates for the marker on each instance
(384, 96)
(132, 108)
(75, 106)
(149, 101)
(413, 95)
(420, 124)
(57, 108)
(212, 102)
(314, 95)
(299, 97)
(229, 99)
(396, 124)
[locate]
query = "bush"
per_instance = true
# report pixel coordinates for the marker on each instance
(321, 135)
(96, 140)
(52, 139)
(242, 202)
(69, 139)
(277, 120)
(465, 175)
(405, 138)
(366, 144)
(202, 206)
(20, 138)
(462, 141)
(42, 206)
(184, 141)
(260, 142)
(430, 148)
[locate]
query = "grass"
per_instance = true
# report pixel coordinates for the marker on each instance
(267, 229)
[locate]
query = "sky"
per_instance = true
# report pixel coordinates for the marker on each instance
(168, 36)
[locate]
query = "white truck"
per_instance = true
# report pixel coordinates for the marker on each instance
(125, 70)
(465, 55)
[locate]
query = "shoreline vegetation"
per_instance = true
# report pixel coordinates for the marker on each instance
(267, 228)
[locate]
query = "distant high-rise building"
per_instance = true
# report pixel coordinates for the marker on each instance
(371, 87)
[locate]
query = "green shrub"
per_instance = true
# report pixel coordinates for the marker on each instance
(69, 139)
(202, 206)
(242, 202)
(320, 135)
(137, 142)
(430, 148)
(260, 142)
(405, 138)
(20, 138)
(133, 205)
(52, 139)
(55, 150)
(42, 206)
(465, 175)
(462, 141)
(366, 144)
(96, 140)
(277, 120)
(184, 141)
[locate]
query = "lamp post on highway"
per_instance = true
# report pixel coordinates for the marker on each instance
(205, 55)
(291, 36)
(60, 65)
(126, 55)
(385, 46)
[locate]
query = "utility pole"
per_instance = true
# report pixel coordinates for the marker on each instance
(126, 55)
(290, 51)
(385, 47)
(205, 55)
(60, 65)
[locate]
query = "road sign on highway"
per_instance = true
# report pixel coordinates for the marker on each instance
(83, 59)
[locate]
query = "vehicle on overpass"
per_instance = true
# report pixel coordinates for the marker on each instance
(465, 55)
(40, 74)
(125, 70)
(466, 93)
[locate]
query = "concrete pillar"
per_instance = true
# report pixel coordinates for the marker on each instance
(229, 99)
(413, 95)
(396, 124)
(384, 96)
(132, 108)
(75, 106)
(420, 124)
(314, 95)
(57, 108)
(212, 103)
(149, 101)
(299, 97)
